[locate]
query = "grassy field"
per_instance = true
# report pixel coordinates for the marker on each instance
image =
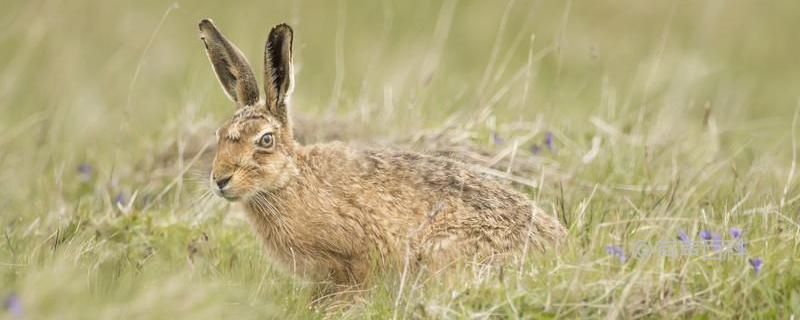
(634, 122)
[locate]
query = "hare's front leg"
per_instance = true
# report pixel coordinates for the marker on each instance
(351, 275)
(344, 281)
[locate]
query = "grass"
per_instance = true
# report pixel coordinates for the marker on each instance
(664, 116)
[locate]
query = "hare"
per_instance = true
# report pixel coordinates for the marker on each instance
(331, 212)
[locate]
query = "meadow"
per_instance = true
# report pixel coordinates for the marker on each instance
(642, 125)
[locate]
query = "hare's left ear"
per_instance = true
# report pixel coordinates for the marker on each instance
(230, 65)
(278, 73)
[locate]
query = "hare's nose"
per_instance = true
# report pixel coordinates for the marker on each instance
(222, 182)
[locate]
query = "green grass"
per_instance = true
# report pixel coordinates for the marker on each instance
(692, 107)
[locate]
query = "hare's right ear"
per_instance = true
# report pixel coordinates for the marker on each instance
(232, 69)
(278, 73)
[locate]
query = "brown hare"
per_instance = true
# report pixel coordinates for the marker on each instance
(330, 212)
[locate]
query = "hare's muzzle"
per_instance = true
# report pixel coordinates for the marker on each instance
(222, 187)
(222, 182)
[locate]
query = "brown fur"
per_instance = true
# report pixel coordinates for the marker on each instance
(330, 212)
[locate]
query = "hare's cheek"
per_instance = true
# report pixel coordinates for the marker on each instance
(265, 161)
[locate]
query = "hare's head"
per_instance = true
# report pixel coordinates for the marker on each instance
(255, 147)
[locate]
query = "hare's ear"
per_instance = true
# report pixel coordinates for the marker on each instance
(278, 73)
(230, 65)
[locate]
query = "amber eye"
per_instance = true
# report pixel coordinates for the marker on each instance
(266, 140)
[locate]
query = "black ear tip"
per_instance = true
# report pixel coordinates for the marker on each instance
(206, 23)
(283, 29)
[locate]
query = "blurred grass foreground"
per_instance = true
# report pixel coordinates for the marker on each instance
(634, 122)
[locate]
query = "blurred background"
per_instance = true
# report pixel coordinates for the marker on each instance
(106, 101)
(108, 80)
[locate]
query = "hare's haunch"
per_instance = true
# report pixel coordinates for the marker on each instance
(331, 212)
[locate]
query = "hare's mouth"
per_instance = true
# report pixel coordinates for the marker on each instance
(231, 198)
(227, 194)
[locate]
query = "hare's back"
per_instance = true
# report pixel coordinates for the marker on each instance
(440, 179)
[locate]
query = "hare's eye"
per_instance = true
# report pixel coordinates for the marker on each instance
(266, 140)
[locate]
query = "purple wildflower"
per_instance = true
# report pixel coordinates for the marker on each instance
(548, 140)
(14, 305)
(497, 139)
(616, 251)
(84, 171)
(119, 199)
(736, 232)
(535, 149)
(756, 263)
(682, 236)
(712, 238)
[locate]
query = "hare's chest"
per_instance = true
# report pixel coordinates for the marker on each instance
(287, 249)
